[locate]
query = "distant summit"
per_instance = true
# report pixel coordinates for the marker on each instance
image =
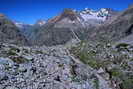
(2, 15)
(92, 14)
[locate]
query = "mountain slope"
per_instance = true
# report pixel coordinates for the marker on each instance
(49, 35)
(118, 29)
(59, 30)
(9, 33)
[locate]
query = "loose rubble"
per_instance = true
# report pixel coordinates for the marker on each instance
(45, 68)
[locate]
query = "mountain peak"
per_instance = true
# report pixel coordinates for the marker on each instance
(67, 13)
(101, 15)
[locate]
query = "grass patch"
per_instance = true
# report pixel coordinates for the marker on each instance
(115, 72)
(87, 57)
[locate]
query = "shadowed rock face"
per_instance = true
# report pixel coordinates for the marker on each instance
(9, 33)
(129, 30)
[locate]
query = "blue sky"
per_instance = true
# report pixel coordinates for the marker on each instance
(28, 11)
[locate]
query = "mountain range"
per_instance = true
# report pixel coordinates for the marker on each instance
(71, 24)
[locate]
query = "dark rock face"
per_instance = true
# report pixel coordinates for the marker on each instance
(9, 33)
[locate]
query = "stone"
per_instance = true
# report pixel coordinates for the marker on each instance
(100, 71)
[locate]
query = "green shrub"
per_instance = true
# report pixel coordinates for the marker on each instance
(19, 59)
(83, 56)
(123, 45)
(39, 52)
(127, 84)
(94, 64)
(116, 72)
(13, 51)
(125, 65)
(96, 83)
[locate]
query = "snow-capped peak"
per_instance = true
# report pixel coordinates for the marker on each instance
(88, 14)
(18, 24)
(104, 12)
(21, 24)
(41, 22)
